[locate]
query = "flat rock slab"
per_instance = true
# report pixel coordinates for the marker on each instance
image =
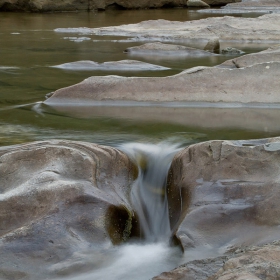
(59, 200)
(224, 194)
(122, 65)
(264, 28)
(160, 49)
(256, 84)
(251, 6)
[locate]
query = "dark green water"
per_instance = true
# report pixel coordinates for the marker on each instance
(29, 45)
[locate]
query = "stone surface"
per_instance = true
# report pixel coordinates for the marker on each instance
(269, 55)
(246, 263)
(248, 6)
(228, 28)
(232, 51)
(213, 45)
(122, 65)
(197, 3)
(224, 194)
(160, 49)
(61, 202)
(85, 5)
(256, 84)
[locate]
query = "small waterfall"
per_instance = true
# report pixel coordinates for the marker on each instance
(149, 190)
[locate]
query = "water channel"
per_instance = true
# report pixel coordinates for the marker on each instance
(29, 46)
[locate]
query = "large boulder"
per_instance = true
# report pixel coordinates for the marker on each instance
(62, 204)
(225, 194)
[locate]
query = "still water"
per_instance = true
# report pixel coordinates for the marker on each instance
(29, 47)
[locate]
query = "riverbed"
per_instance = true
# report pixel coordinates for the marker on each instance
(29, 49)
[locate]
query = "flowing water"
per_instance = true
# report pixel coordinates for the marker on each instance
(29, 48)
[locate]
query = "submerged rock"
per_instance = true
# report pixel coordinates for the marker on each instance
(232, 51)
(122, 65)
(160, 49)
(60, 199)
(269, 55)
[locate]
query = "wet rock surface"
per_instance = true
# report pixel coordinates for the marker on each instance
(160, 49)
(122, 65)
(228, 28)
(250, 263)
(224, 194)
(258, 83)
(61, 201)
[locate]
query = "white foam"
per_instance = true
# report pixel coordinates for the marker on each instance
(137, 262)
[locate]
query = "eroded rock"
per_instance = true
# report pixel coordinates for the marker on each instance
(59, 200)
(256, 84)
(225, 194)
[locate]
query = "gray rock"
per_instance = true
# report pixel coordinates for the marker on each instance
(232, 51)
(224, 194)
(197, 3)
(269, 55)
(61, 201)
(246, 7)
(122, 65)
(250, 263)
(213, 45)
(160, 49)
(84, 5)
(256, 84)
(263, 28)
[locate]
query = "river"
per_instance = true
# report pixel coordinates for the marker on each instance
(29, 47)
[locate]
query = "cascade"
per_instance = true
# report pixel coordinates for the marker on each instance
(148, 193)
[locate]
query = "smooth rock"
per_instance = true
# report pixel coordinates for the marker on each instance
(269, 55)
(122, 65)
(228, 28)
(60, 201)
(248, 6)
(250, 263)
(197, 3)
(256, 84)
(224, 194)
(213, 45)
(160, 49)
